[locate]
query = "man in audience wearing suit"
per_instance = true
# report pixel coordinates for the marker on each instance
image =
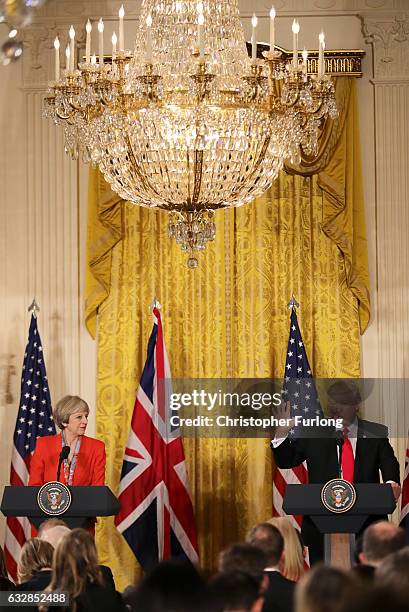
(366, 451)
(279, 595)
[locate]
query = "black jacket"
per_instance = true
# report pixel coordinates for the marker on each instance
(279, 596)
(373, 453)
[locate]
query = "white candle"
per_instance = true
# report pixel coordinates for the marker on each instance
(94, 60)
(114, 41)
(254, 21)
(121, 15)
(67, 57)
(272, 28)
(57, 59)
(321, 68)
(148, 57)
(72, 48)
(200, 42)
(304, 60)
(101, 41)
(88, 29)
(295, 28)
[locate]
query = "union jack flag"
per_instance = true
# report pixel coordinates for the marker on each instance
(156, 516)
(404, 515)
(299, 389)
(34, 419)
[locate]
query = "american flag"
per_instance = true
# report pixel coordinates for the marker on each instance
(299, 389)
(404, 515)
(156, 516)
(34, 419)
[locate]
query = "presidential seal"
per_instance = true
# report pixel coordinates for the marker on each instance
(338, 495)
(54, 498)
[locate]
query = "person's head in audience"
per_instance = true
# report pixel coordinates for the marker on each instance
(293, 561)
(393, 575)
(75, 563)
(380, 540)
(171, 586)
(244, 558)
(49, 524)
(55, 534)
(36, 555)
(268, 539)
(235, 592)
(325, 589)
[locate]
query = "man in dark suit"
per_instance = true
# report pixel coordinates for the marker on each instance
(279, 594)
(366, 451)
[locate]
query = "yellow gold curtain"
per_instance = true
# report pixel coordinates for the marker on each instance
(228, 318)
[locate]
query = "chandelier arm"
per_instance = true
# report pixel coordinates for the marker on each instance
(198, 173)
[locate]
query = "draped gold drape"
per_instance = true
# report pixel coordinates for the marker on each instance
(228, 318)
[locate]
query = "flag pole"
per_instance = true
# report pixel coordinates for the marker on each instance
(34, 308)
(293, 303)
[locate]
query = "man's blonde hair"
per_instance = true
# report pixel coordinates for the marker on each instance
(68, 405)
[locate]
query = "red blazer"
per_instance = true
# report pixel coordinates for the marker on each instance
(89, 470)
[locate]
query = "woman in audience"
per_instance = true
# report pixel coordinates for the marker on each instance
(5, 583)
(75, 570)
(293, 566)
(34, 566)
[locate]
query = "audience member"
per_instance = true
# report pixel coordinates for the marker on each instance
(293, 565)
(34, 566)
(279, 595)
(380, 540)
(325, 589)
(247, 559)
(53, 530)
(171, 586)
(393, 575)
(49, 524)
(235, 591)
(75, 570)
(5, 583)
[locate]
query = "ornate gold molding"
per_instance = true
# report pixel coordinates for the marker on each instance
(342, 62)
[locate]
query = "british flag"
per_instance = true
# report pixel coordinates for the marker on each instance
(299, 389)
(156, 516)
(404, 515)
(34, 419)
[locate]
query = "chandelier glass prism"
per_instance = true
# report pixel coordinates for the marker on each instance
(188, 122)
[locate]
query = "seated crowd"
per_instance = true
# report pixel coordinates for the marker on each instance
(267, 573)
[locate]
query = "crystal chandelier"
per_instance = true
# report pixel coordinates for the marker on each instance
(188, 122)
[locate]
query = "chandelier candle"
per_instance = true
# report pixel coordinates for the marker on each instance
(272, 28)
(101, 41)
(57, 58)
(67, 58)
(72, 48)
(191, 132)
(304, 60)
(321, 65)
(254, 21)
(295, 28)
(114, 40)
(121, 15)
(88, 29)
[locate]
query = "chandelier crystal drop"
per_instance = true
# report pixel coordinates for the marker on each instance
(188, 122)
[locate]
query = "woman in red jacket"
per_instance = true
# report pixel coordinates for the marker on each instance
(86, 462)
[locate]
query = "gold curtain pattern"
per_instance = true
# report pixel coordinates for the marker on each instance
(227, 319)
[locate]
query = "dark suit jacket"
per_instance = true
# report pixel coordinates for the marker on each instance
(319, 449)
(279, 596)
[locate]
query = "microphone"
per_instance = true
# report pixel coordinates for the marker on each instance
(65, 451)
(340, 443)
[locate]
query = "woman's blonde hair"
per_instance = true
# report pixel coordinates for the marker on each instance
(75, 565)
(293, 564)
(35, 556)
(68, 405)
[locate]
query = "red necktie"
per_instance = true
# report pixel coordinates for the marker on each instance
(347, 458)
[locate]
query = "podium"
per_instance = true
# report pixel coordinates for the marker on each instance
(87, 503)
(339, 529)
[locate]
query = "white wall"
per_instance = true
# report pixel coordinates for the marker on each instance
(43, 194)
